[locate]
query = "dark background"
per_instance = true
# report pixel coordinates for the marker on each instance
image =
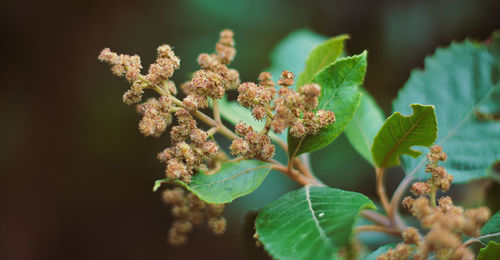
(76, 176)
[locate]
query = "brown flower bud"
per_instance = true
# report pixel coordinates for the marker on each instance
(411, 236)
(217, 225)
(287, 79)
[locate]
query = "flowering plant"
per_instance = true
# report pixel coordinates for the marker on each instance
(459, 87)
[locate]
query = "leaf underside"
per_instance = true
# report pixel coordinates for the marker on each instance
(462, 82)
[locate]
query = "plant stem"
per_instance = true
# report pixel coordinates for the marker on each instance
(478, 239)
(376, 217)
(295, 174)
(216, 111)
(292, 174)
(396, 197)
(379, 174)
(377, 228)
(432, 195)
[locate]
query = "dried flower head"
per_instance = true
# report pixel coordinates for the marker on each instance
(190, 211)
(446, 222)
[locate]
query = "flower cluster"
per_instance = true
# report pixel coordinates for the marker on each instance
(130, 67)
(156, 116)
(445, 221)
(183, 159)
(252, 145)
(290, 105)
(215, 77)
(258, 97)
(293, 109)
(190, 211)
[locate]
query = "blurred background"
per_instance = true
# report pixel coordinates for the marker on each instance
(76, 175)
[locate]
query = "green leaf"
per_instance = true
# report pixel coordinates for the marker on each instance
(310, 223)
(364, 126)
(379, 251)
(492, 229)
(490, 252)
(322, 56)
(339, 93)
(234, 113)
(233, 180)
(399, 133)
(462, 81)
(291, 52)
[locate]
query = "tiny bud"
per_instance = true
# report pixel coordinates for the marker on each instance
(259, 112)
(420, 188)
(411, 236)
(239, 147)
(286, 79)
(217, 225)
(173, 196)
(310, 90)
(242, 129)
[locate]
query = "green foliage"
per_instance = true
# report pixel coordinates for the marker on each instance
(322, 56)
(379, 251)
(399, 133)
(233, 180)
(492, 227)
(462, 82)
(339, 93)
(490, 252)
(365, 124)
(291, 52)
(309, 223)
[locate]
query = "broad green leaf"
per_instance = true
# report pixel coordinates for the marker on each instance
(309, 223)
(399, 133)
(379, 251)
(291, 52)
(462, 81)
(322, 56)
(364, 126)
(492, 229)
(233, 180)
(339, 93)
(234, 113)
(490, 252)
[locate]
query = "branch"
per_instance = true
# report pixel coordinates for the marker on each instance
(379, 174)
(377, 228)
(478, 239)
(376, 217)
(295, 175)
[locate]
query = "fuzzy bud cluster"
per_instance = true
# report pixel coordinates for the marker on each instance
(445, 221)
(293, 109)
(190, 211)
(290, 105)
(440, 179)
(156, 116)
(215, 77)
(164, 66)
(130, 67)
(256, 97)
(183, 159)
(251, 144)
